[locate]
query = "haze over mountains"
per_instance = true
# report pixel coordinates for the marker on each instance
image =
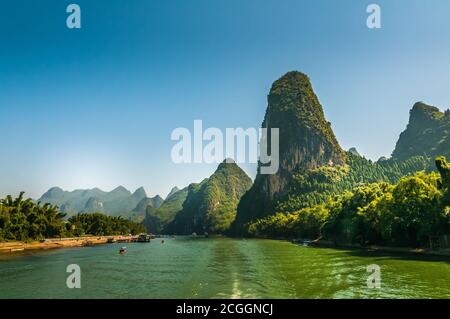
(118, 202)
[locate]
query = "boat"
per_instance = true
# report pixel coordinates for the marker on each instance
(16, 249)
(88, 243)
(143, 238)
(302, 242)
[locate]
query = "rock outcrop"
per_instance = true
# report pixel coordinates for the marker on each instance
(427, 134)
(306, 141)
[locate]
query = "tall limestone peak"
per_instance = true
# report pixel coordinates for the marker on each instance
(423, 115)
(306, 141)
(306, 138)
(427, 133)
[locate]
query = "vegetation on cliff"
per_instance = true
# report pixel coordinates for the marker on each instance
(157, 219)
(210, 206)
(407, 213)
(427, 134)
(306, 141)
(310, 187)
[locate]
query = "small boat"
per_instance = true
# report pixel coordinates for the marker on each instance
(303, 242)
(89, 243)
(143, 238)
(123, 250)
(16, 249)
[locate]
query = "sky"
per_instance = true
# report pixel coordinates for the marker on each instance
(95, 107)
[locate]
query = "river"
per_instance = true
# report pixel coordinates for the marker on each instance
(185, 267)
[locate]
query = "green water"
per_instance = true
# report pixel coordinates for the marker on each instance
(221, 268)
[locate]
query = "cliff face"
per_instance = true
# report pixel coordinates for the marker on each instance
(306, 141)
(427, 133)
(211, 205)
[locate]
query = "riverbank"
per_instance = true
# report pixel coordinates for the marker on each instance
(388, 249)
(10, 247)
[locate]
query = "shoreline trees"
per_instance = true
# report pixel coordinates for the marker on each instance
(23, 220)
(407, 213)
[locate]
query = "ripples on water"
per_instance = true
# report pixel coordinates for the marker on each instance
(221, 268)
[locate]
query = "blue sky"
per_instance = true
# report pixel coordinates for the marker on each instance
(95, 107)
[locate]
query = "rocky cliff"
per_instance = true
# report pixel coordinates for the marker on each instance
(427, 134)
(306, 141)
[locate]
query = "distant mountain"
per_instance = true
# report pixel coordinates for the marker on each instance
(138, 213)
(210, 206)
(173, 191)
(156, 201)
(93, 205)
(119, 201)
(157, 218)
(427, 134)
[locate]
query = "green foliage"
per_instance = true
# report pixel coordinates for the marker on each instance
(306, 223)
(157, 219)
(404, 214)
(295, 109)
(211, 205)
(99, 224)
(24, 220)
(444, 169)
(315, 186)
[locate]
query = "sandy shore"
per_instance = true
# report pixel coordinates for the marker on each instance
(8, 247)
